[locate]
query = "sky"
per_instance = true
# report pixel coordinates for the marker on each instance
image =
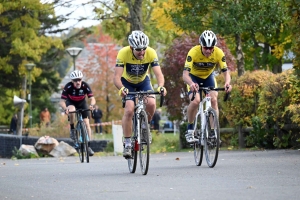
(86, 11)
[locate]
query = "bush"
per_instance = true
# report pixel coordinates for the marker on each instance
(18, 155)
(182, 140)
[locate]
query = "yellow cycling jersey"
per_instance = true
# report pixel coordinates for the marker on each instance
(135, 71)
(200, 66)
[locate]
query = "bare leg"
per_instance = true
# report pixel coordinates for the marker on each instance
(127, 118)
(193, 108)
(150, 107)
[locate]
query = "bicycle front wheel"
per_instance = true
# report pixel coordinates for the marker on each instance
(133, 159)
(85, 139)
(212, 138)
(198, 148)
(144, 146)
(80, 146)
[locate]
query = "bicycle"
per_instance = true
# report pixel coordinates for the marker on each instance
(206, 128)
(140, 139)
(82, 136)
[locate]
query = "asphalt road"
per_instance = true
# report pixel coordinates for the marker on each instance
(251, 175)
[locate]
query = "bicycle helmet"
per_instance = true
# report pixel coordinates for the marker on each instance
(76, 74)
(138, 40)
(208, 39)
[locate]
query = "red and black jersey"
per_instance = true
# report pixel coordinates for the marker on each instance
(76, 95)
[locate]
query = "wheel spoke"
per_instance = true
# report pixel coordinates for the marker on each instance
(145, 144)
(212, 143)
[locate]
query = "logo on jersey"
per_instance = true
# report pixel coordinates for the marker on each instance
(81, 92)
(189, 59)
(119, 62)
(223, 59)
(137, 69)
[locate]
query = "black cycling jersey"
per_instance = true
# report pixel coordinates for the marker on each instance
(76, 95)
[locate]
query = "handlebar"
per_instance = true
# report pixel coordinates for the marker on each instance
(145, 93)
(82, 110)
(226, 96)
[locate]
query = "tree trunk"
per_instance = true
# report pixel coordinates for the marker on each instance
(135, 11)
(255, 57)
(239, 55)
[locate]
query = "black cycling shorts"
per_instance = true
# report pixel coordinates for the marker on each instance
(80, 105)
(210, 81)
(145, 85)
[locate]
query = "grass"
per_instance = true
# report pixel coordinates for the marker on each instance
(161, 143)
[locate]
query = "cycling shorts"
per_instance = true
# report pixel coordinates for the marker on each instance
(210, 81)
(80, 105)
(145, 85)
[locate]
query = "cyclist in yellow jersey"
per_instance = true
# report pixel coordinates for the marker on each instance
(199, 67)
(131, 74)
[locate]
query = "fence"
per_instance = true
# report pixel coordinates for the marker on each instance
(9, 142)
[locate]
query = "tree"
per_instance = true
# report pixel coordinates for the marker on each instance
(98, 70)
(238, 19)
(294, 10)
(24, 37)
(21, 42)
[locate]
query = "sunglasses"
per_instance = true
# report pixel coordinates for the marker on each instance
(208, 48)
(143, 49)
(76, 80)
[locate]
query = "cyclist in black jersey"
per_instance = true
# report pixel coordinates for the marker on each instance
(72, 98)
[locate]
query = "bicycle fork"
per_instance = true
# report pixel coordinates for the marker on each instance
(204, 114)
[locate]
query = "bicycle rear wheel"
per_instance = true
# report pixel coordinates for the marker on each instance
(212, 145)
(144, 146)
(85, 140)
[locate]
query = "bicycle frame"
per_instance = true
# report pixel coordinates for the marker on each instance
(203, 113)
(80, 119)
(138, 108)
(82, 134)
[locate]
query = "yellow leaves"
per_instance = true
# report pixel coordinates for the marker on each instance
(278, 51)
(22, 29)
(163, 20)
(33, 46)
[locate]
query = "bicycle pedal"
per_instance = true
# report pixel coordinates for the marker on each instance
(128, 157)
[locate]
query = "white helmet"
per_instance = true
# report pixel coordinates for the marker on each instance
(208, 39)
(138, 40)
(76, 74)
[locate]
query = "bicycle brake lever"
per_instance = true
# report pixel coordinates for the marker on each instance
(227, 95)
(161, 97)
(123, 102)
(193, 97)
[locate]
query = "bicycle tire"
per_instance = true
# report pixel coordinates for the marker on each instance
(80, 150)
(198, 148)
(212, 145)
(134, 151)
(85, 141)
(144, 146)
